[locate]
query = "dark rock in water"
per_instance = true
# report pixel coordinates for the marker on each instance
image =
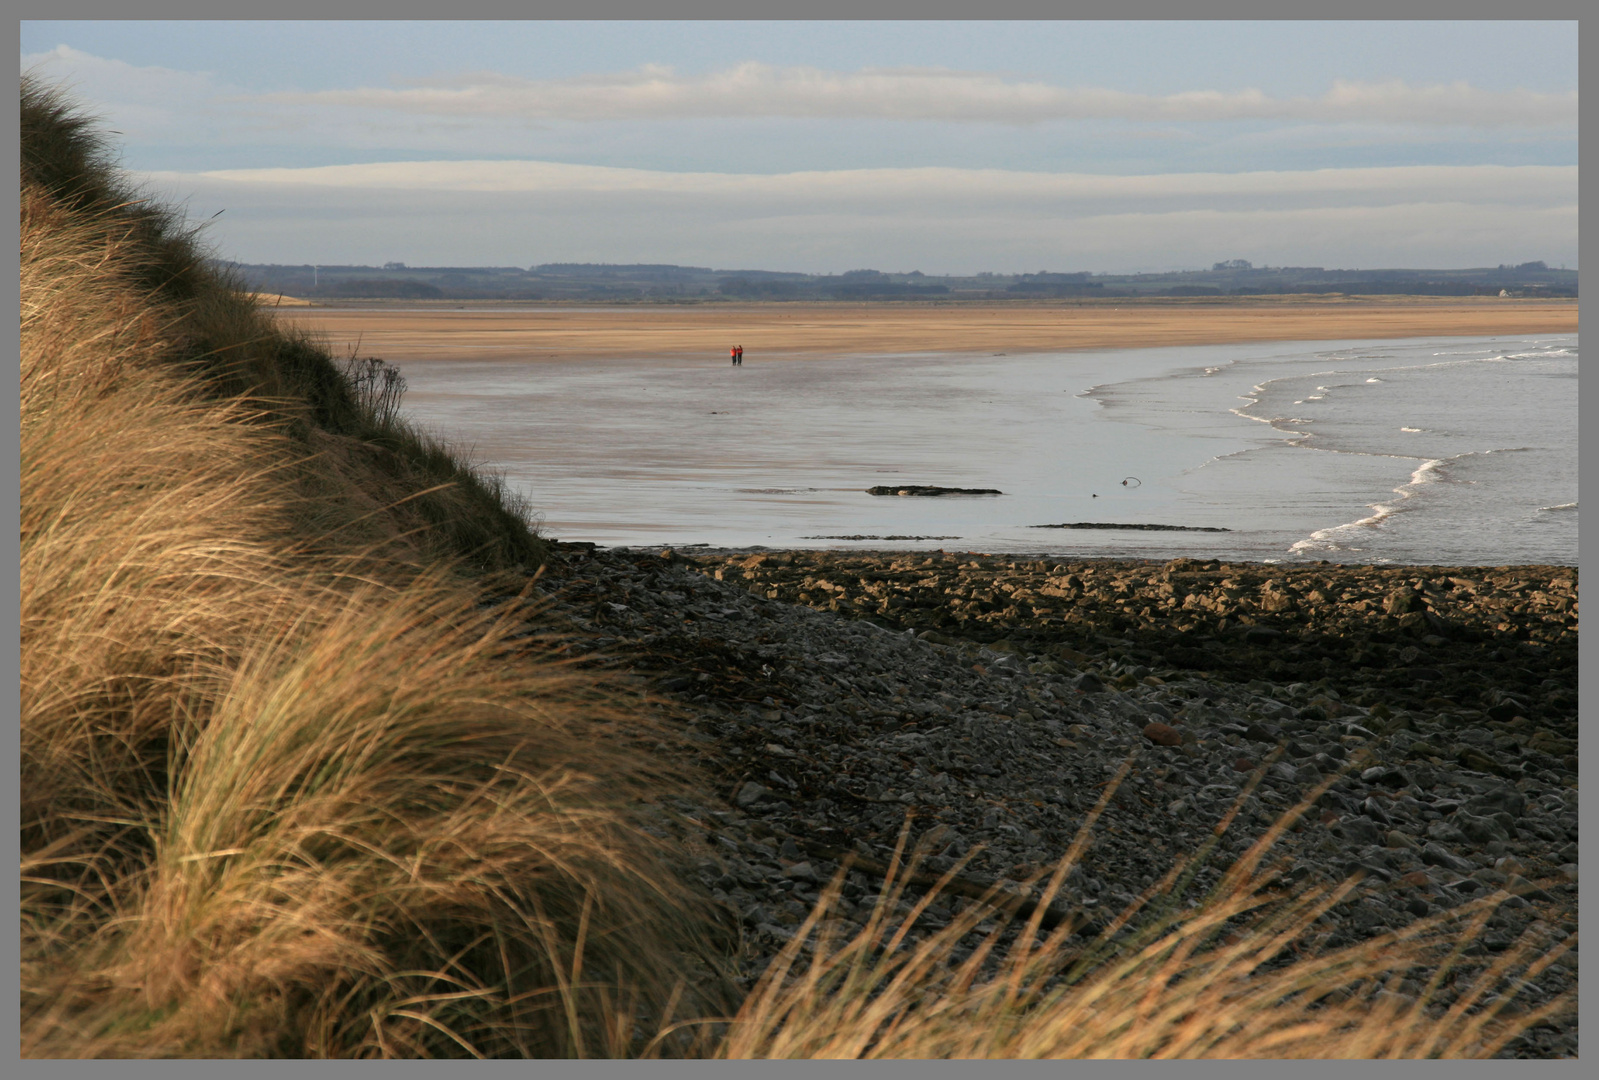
(859, 536)
(1113, 525)
(1262, 635)
(928, 490)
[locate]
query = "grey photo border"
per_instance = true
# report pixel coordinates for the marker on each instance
(815, 10)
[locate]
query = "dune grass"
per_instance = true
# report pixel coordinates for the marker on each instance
(289, 789)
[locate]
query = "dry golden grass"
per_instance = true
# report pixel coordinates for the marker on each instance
(284, 793)
(1236, 976)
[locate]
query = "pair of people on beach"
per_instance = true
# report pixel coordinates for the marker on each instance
(737, 353)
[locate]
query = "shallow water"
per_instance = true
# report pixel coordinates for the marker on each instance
(1447, 450)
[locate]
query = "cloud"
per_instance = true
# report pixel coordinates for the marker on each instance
(936, 220)
(141, 101)
(906, 93)
(1544, 184)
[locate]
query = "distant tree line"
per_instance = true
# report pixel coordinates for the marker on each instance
(669, 283)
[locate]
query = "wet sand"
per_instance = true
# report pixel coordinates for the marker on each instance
(484, 331)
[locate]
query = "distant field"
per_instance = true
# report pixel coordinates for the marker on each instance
(410, 331)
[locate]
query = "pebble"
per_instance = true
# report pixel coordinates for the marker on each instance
(1163, 734)
(830, 696)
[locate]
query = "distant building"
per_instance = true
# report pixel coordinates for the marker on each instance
(1234, 264)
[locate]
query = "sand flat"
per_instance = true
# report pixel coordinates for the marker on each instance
(769, 331)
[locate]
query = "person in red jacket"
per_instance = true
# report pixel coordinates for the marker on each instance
(732, 354)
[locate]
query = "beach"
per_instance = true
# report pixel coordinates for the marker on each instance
(987, 699)
(403, 331)
(1445, 449)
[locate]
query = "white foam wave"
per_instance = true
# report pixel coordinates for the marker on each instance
(1541, 355)
(1346, 537)
(1412, 429)
(1429, 472)
(1373, 379)
(1562, 506)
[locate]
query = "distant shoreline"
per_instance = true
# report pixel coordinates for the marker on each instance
(409, 330)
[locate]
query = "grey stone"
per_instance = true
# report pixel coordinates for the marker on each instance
(1445, 832)
(1360, 830)
(750, 794)
(1479, 830)
(802, 872)
(1385, 775)
(1503, 799)
(1520, 886)
(1437, 855)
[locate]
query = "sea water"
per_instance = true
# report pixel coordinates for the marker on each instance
(1448, 450)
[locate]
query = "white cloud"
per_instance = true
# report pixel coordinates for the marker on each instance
(936, 220)
(1412, 183)
(760, 90)
(142, 102)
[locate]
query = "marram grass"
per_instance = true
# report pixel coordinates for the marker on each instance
(286, 789)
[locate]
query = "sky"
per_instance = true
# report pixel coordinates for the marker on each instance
(829, 146)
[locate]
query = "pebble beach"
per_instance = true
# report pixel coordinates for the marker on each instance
(830, 698)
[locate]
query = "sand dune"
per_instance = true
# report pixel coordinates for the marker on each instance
(767, 331)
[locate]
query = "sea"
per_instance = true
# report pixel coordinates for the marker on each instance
(1458, 451)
